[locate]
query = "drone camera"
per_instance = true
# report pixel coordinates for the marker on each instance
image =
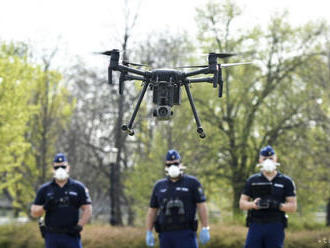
(165, 95)
(163, 112)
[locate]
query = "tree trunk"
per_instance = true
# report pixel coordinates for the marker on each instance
(328, 213)
(238, 184)
(236, 210)
(112, 219)
(116, 172)
(131, 214)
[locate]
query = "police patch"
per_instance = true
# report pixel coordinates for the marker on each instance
(182, 189)
(87, 195)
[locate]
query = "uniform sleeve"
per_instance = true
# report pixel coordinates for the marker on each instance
(153, 200)
(84, 196)
(198, 193)
(40, 198)
(247, 189)
(290, 188)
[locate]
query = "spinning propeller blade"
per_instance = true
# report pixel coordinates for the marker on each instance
(219, 55)
(108, 53)
(193, 66)
(223, 55)
(234, 64)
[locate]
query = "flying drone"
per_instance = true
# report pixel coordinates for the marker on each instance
(166, 84)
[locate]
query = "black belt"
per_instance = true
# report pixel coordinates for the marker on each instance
(59, 230)
(267, 220)
(176, 227)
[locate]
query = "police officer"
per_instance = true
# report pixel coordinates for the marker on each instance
(266, 214)
(173, 207)
(61, 200)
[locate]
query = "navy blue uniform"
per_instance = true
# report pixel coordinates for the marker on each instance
(64, 215)
(176, 204)
(266, 226)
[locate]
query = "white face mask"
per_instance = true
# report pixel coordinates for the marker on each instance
(173, 171)
(268, 165)
(61, 174)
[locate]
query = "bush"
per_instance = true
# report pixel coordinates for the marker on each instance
(306, 222)
(102, 236)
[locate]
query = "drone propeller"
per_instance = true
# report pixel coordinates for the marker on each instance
(125, 62)
(108, 53)
(114, 54)
(193, 66)
(219, 55)
(222, 65)
(222, 55)
(234, 64)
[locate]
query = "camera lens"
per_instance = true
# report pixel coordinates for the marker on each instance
(163, 111)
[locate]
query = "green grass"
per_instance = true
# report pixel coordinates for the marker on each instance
(104, 236)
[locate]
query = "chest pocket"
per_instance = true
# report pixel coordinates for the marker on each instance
(50, 195)
(278, 190)
(73, 196)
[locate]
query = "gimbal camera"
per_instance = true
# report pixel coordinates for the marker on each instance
(166, 84)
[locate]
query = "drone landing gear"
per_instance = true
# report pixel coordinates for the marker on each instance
(128, 128)
(200, 130)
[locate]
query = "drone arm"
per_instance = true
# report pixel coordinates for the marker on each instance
(201, 80)
(124, 68)
(132, 77)
(201, 71)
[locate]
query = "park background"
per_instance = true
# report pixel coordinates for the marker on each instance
(54, 97)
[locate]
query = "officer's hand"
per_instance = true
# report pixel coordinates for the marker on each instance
(76, 229)
(204, 235)
(150, 241)
(255, 203)
(50, 203)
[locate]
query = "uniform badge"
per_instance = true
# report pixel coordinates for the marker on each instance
(87, 195)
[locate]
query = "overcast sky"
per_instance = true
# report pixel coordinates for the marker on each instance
(84, 26)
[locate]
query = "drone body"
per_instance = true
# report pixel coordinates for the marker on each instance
(166, 85)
